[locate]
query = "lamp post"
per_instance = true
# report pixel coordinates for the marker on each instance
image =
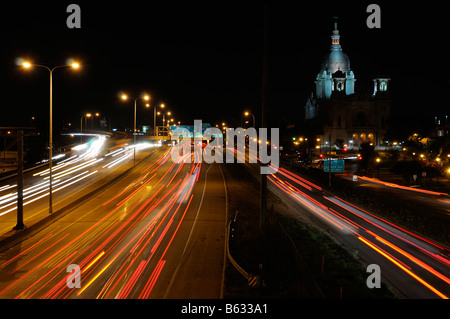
(154, 117)
(28, 65)
(81, 124)
(154, 123)
(164, 118)
(146, 98)
(247, 114)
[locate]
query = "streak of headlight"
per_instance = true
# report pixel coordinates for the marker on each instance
(3, 188)
(117, 161)
(13, 196)
(75, 181)
(53, 191)
(116, 152)
(80, 147)
(76, 168)
(59, 166)
(68, 159)
(382, 252)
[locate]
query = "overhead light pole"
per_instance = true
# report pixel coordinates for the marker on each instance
(247, 114)
(146, 98)
(27, 65)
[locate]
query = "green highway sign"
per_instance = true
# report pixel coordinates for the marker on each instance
(337, 166)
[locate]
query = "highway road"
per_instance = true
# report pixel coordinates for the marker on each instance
(158, 232)
(93, 163)
(430, 200)
(150, 235)
(415, 266)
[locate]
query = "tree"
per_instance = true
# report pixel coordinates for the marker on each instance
(367, 152)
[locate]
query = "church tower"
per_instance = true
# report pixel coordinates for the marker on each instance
(335, 74)
(336, 115)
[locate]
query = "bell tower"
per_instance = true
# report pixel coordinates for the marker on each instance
(380, 86)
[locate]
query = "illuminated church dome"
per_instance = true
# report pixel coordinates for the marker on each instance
(335, 61)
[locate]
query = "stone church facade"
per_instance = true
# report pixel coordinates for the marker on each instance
(339, 115)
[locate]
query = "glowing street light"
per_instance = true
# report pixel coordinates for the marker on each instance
(28, 65)
(144, 97)
(247, 114)
(155, 112)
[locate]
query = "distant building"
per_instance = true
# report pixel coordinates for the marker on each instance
(337, 112)
(442, 130)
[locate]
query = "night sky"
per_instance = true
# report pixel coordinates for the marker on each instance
(204, 59)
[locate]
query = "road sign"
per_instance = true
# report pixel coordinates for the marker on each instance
(337, 166)
(191, 129)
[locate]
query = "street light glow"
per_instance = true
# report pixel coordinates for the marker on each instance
(26, 65)
(124, 97)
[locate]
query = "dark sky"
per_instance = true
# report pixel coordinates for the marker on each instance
(203, 59)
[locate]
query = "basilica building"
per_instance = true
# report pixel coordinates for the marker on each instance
(338, 114)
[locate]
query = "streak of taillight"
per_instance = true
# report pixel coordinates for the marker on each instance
(409, 272)
(414, 259)
(95, 277)
(387, 222)
(152, 281)
(401, 187)
(58, 266)
(26, 250)
(129, 285)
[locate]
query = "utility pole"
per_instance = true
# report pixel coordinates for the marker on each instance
(263, 204)
(329, 161)
(18, 132)
(20, 224)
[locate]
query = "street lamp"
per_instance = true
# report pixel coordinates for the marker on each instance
(146, 98)
(247, 114)
(81, 124)
(28, 65)
(164, 117)
(155, 112)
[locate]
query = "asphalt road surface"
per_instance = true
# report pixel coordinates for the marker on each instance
(414, 266)
(157, 233)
